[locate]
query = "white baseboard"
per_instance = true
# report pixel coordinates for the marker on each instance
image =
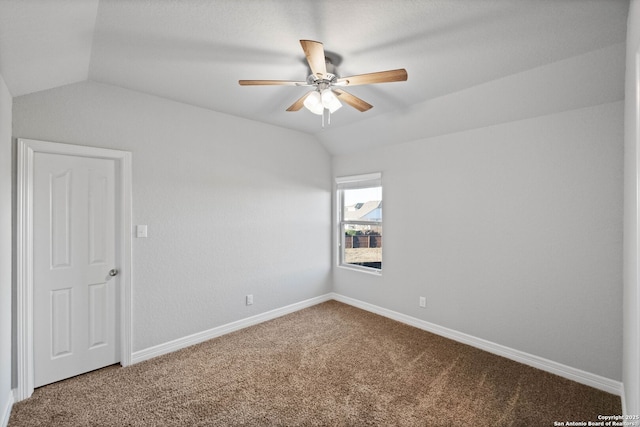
(199, 337)
(574, 374)
(6, 411)
(578, 375)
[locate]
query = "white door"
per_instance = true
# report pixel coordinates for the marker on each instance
(75, 284)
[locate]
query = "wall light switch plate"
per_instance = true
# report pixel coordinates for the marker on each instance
(249, 299)
(141, 231)
(423, 302)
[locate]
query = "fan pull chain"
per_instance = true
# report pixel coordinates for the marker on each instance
(328, 117)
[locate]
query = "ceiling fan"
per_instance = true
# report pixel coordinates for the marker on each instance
(327, 86)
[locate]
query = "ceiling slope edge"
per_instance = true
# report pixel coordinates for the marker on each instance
(64, 52)
(589, 79)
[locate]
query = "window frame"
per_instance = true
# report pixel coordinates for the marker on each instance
(354, 182)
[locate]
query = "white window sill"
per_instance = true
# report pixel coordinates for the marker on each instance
(366, 270)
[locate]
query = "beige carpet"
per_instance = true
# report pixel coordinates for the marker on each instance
(330, 364)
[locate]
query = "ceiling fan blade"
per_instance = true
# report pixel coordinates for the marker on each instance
(299, 103)
(314, 51)
(271, 83)
(352, 100)
(399, 75)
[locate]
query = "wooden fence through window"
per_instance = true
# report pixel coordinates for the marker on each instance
(363, 241)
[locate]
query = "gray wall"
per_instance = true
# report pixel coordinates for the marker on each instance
(5, 248)
(631, 364)
(206, 184)
(512, 232)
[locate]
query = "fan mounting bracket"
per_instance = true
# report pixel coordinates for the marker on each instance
(322, 83)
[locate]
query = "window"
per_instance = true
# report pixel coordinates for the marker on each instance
(360, 221)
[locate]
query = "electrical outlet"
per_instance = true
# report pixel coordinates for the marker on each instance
(249, 299)
(423, 302)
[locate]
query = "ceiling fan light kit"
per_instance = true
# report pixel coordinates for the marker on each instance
(328, 89)
(330, 101)
(313, 103)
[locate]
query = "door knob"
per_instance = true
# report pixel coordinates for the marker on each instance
(113, 272)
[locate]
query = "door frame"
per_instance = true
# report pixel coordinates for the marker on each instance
(24, 256)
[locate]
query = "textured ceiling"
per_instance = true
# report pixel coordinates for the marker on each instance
(195, 51)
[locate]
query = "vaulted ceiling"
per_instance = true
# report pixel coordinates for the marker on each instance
(195, 51)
